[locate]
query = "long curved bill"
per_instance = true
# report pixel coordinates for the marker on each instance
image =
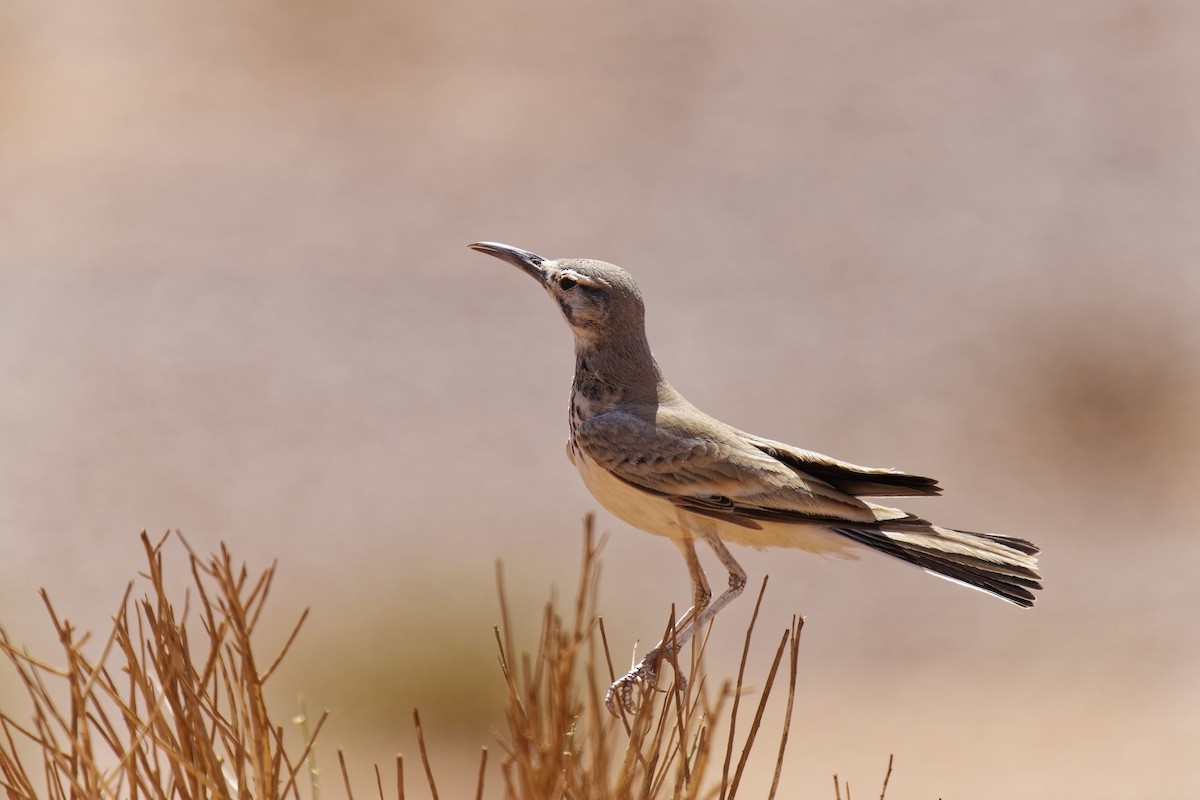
(528, 262)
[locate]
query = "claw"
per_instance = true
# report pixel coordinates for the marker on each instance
(620, 696)
(681, 683)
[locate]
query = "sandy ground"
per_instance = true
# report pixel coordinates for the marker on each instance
(956, 238)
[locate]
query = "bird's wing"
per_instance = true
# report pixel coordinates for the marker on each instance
(849, 478)
(704, 466)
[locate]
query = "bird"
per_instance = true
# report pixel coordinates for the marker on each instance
(660, 464)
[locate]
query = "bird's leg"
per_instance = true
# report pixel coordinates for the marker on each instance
(737, 582)
(694, 622)
(645, 673)
(701, 593)
(701, 596)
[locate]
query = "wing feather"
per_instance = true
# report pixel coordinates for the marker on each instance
(707, 467)
(849, 478)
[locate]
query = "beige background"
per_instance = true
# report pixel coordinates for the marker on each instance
(957, 238)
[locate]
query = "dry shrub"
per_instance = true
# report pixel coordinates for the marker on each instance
(166, 711)
(156, 714)
(562, 742)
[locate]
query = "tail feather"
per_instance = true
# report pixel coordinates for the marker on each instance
(1000, 565)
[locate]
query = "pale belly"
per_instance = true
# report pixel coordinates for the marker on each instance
(658, 515)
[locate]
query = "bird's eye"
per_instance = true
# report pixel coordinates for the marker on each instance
(565, 283)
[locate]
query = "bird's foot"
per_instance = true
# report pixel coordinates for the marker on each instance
(620, 696)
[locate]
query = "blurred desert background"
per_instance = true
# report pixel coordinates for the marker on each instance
(958, 238)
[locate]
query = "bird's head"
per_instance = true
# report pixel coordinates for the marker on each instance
(598, 300)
